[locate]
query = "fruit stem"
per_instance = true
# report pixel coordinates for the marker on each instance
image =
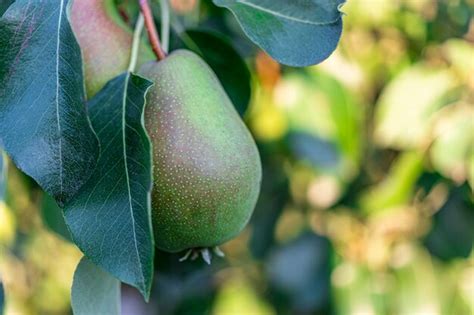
(165, 24)
(151, 29)
(136, 43)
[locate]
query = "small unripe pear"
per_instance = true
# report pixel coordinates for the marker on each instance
(105, 42)
(207, 169)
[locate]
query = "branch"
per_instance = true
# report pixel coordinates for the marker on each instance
(151, 30)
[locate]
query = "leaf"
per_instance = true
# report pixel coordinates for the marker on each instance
(110, 218)
(94, 291)
(43, 120)
(4, 4)
(225, 61)
(53, 217)
(295, 33)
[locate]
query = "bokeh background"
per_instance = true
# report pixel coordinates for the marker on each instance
(367, 205)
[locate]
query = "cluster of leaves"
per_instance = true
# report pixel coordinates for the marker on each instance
(93, 156)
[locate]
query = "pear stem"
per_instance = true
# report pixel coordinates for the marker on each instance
(165, 25)
(136, 43)
(151, 29)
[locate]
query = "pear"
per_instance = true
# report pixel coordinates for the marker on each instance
(207, 169)
(105, 42)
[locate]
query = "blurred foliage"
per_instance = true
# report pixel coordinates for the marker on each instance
(366, 204)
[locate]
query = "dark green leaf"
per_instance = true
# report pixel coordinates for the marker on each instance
(295, 33)
(94, 291)
(226, 62)
(110, 217)
(43, 121)
(4, 4)
(53, 217)
(453, 19)
(452, 234)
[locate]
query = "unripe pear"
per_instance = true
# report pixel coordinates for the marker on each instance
(207, 169)
(105, 42)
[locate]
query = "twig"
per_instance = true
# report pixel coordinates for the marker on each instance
(151, 29)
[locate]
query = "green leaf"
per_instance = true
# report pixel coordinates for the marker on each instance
(94, 291)
(225, 61)
(53, 217)
(43, 120)
(110, 217)
(295, 33)
(4, 4)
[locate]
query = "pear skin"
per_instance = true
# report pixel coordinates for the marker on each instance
(207, 169)
(105, 42)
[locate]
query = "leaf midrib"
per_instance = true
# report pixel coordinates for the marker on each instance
(57, 100)
(286, 17)
(125, 156)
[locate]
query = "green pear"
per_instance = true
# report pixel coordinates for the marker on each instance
(105, 42)
(207, 169)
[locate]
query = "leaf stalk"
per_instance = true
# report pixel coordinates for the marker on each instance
(136, 43)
